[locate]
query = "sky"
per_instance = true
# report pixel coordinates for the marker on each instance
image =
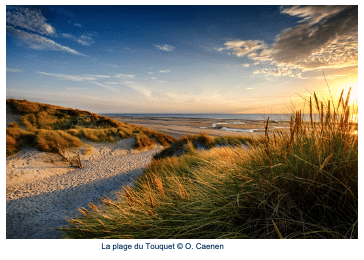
(180, 59)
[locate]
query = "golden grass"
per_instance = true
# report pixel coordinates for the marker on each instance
(49, 140)
(48, 125)
(297, 184)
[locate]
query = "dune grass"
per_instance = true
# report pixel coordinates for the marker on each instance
(300, 184)
(48, 127)
(191, 143)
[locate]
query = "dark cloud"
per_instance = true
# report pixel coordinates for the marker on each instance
(325, 37)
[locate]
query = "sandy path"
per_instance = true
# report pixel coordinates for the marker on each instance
(35, 209)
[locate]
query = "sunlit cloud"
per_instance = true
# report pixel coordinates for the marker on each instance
(165, 47)
(280, 71)
(325, 37)
(246, 65)
(242, 48)
(67, 77)
(106, 87)
(141, 89)
(165, 71)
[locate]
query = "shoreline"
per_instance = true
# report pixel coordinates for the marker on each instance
(180, 126)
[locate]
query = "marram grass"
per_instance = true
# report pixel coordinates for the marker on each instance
(51, 126)
(298, 184)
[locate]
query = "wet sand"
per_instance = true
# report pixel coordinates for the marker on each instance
(178, 127)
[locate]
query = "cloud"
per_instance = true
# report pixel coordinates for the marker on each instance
(124, 76)
(107, 87)
(97, 76)
(112, 82)
(165, 47)
(78, 24)
(325, 37)
(12, 70)
(242, 48)
(246, 65)
(39, 42)
(165, 71)
(85, 40)
(28, 25)
(281, 71)
(67, 77)
(28, 18)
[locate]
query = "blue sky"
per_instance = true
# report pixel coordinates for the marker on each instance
(180, 59)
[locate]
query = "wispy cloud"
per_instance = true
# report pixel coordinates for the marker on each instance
(12, 70)
(325, 37)
(39, 42)
(165, 71)
(96, 75)
(29, 26)
(85, 40)
(67, 77)
(165, 47)
(123, 76)
(78, 24)
(106, 86)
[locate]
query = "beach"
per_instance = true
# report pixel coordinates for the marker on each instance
(177, 126)
(42, 190)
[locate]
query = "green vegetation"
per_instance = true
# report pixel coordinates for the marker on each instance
(297, 184)
(52, 127)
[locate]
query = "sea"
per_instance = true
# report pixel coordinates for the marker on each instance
(272, 117)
